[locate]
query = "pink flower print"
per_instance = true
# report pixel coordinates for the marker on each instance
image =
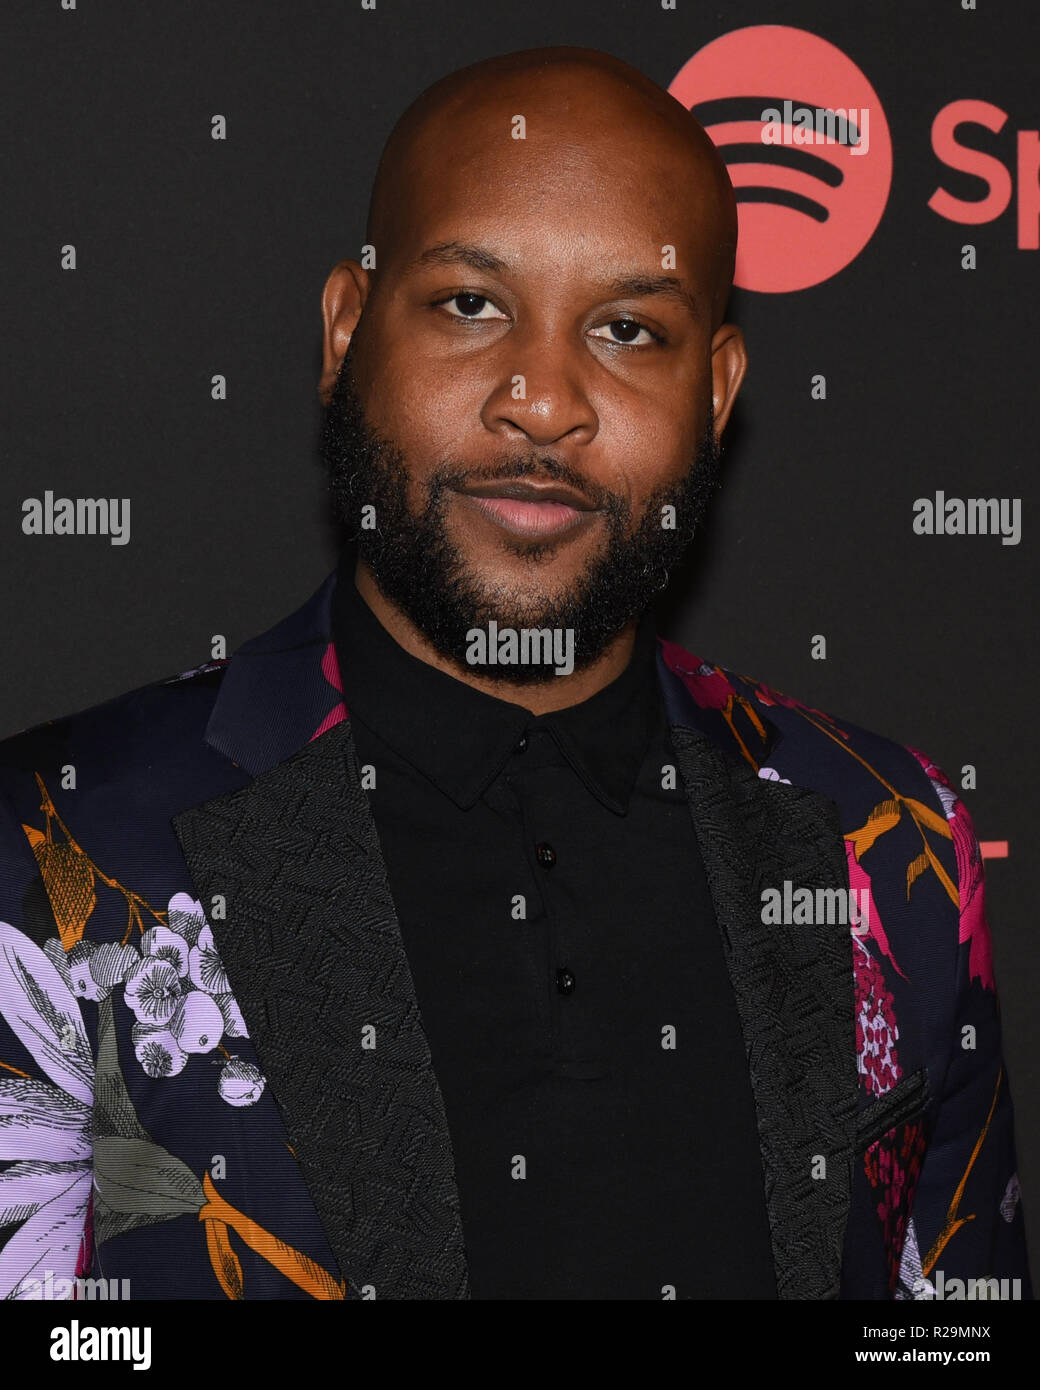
(859, 883)
(893, 1166)
(330, 670)
(766, 695)
(876, 1031)
(708, 686)
(973, 924)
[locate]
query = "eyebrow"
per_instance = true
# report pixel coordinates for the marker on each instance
(479, 258)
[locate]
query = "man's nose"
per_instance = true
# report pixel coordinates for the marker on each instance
(542, 391)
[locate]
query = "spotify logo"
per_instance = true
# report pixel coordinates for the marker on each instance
(806, 144)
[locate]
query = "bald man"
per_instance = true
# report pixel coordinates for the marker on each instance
(518, 331)
(461, 937)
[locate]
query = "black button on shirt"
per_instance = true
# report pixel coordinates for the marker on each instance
(570, 978)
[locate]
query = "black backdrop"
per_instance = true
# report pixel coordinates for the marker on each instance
(197, 256)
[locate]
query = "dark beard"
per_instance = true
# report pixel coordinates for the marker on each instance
(424, 575)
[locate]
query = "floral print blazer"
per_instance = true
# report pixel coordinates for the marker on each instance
(214, 1081)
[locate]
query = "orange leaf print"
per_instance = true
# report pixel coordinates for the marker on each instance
(931, 818)
(954, 1221)
(943, 877)
(226, 1264)
(35, 837)
(883, 817)
(302, 1270)
(68, 877)
(914, 871)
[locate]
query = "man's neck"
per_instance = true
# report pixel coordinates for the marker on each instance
(558, 693)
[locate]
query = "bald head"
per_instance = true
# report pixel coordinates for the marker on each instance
(578, 106)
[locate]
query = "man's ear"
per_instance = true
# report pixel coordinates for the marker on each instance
(342, 301)
(729, 364)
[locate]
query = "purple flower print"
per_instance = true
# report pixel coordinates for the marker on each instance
(204, 967)
(240, 1083)
(186, 917)
(153, 991)
(1012, 1196)
(55, 953)
(183, 1002)
(234, 1023)
(198, 1024)
(770, 774)
(96, 968)
(911, 1283)
(163, 944)
(178, 991)
(77, 972)
(45, 1126)
(158, 1051)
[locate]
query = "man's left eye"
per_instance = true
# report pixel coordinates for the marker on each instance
(629, 330)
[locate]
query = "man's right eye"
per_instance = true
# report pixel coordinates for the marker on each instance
(470, 305)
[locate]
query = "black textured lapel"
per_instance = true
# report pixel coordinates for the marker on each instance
(795, 995)
(314, 955)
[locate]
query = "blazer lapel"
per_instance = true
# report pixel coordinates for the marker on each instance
(314, 956)
(315, 959)
(793, 983)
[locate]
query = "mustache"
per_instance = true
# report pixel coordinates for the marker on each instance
(532, 467)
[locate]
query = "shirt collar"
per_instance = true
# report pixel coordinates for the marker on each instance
(459, 737)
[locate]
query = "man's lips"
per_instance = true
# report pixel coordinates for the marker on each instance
(534, 519)
(528, 511)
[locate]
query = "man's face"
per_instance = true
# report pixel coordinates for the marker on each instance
(511, 361)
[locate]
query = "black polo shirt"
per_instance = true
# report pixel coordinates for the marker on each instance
(570, 978)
